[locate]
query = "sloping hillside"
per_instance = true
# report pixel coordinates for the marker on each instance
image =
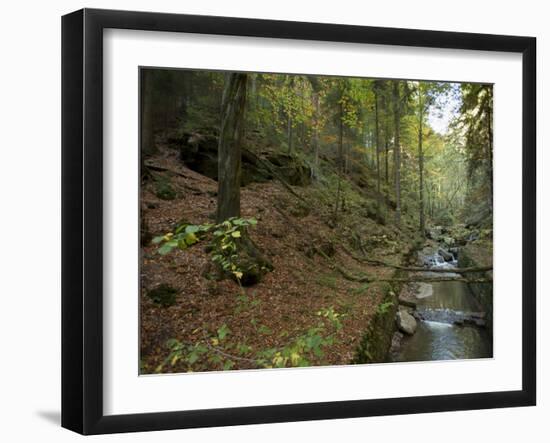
(306, 310)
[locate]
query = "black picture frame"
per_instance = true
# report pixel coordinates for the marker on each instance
(82, 218)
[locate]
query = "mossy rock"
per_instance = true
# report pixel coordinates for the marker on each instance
(164, 190)
(328, 248)
(163, 295)
(199, 152)
(300, 210)
(252, 263)
(376, 342)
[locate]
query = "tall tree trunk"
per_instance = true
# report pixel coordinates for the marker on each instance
(317, 111)
(386, 133)
(289, 132)
(421, 167)
(188, 91)
(377, 129)
(147, 135)
(386, 145)
(387, 156)
(490, 146)
(347, 155)
(397, 151)
(229, 148)
(340, 162)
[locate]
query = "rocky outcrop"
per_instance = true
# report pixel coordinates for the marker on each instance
(199, 152)
(376, 342)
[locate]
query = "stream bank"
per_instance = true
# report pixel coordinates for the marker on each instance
(480, 254)
(376, 343)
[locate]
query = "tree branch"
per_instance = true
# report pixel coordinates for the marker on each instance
(375, 262)
(267, 164)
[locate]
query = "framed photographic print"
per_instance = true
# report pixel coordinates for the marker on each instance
(270, 221)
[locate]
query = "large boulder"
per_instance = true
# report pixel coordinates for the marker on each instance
(404, 301)
(447, 256)
(199, 152)
(288, 167)
(249, 261)
(406, 322)
(424, 290)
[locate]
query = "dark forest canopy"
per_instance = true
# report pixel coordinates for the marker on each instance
(428, 144)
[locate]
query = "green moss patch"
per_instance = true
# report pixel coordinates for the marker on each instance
(163, 295)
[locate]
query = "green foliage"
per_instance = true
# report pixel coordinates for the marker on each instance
(224, 243)
(186, 353)
(164, 295)
(361, 289)
(223, 331)
(329, 281)
(306, 112)
(263, 329)
(164, 189)
(333, 316)
(305, 347)
(184, 236)
(384, 307)
(217, 349)
(245, 303)
(344, 125)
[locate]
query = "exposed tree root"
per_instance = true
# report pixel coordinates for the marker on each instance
(163, 169)
(272, 170)
(412, 279)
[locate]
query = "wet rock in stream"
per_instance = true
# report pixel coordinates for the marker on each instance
(405, 321)
(406, 302)
(447, 256)
(424, 290)
(396, 342)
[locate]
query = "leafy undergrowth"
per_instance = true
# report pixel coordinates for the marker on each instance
(301, 313)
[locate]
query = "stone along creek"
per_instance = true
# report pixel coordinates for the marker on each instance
(450, 323)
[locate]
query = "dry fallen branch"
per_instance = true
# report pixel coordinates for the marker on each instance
(414, 279)
(159, 168)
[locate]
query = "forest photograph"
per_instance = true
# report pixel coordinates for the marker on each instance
(297, 220)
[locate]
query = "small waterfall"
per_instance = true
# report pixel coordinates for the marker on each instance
(450, 320)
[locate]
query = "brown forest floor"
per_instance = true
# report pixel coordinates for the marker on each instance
(286, 301)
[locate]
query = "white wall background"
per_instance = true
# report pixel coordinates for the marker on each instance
(30, 218)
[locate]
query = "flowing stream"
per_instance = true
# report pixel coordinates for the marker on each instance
(438, 336)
